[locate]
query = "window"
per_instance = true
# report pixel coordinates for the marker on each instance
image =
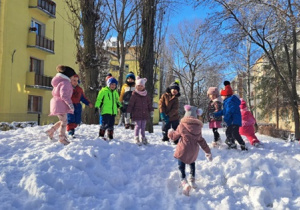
(155, 105)
(115, 68)
(36, 66)
(34, 104)
(126, 67)
(40, 28)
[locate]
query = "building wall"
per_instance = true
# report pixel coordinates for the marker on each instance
(15, 56)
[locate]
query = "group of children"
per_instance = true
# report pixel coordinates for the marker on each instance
(137, 108)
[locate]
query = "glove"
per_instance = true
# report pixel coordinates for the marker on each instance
(96, 111)
(164, 117)
(208, 156)
(151, 114)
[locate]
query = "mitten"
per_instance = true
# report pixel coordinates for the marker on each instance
(208, 156)
(163, 116)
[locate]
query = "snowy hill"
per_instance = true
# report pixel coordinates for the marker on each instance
(92, 174)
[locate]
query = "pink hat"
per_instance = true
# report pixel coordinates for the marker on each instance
(213, 91)
(243, 104)
(140, 81)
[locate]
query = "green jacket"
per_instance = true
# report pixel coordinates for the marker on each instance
(108, 101)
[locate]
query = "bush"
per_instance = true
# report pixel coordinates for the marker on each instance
(270, 130)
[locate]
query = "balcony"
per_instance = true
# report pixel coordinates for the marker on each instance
(34, 80)
(40, 42)
(45, 7)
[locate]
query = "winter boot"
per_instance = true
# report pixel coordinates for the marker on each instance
(63, 139)
(50, 133)
(192, 182)
(137, 140)
(101, 133)
(185, 187)
(243, 147)
(71, 133)
(132, 126)
(110, 134)
(165, 138)
(127, 126)
(144, 140)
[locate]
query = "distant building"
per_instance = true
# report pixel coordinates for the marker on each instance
(34, 38)
(131, 64)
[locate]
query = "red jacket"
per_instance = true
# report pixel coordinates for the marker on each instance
(78, 96)
(190, 132)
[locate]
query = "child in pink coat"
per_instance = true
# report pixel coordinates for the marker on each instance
(61, 103)
(190, 133)
(140, 109)
(248, 121)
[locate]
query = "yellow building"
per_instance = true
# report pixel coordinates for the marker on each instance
(34, 38)
(132, 64)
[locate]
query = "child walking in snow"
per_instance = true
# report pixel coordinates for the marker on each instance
(78, 96)
(232, 117)
(169, 109)
(61, 102)
(187, 149)
(140, 109)
(108, 102)
(214, 106)
(248, 121)
(125, 95)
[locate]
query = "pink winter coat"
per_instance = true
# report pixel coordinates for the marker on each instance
(190, 132)
(62, 93)
(248, 122)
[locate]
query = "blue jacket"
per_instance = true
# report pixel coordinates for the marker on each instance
(231, 111)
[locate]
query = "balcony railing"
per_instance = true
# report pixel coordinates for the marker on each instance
(46, 6)
(40, 42)
(38, 81)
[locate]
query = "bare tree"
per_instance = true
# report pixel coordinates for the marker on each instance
(194, 51)
(126, 24)
(86, 18)
(274, 30)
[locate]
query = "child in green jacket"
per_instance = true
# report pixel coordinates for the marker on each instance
(108, 102)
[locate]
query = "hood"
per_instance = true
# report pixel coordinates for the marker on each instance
(59, 78)
(234, 99)
(192, 125)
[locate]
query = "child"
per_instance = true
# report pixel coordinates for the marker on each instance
(169, 109)
(108, 102)
(247, 128)
(140, 108)
(61, 102)
(190, 133)
(109, 75)
(126, 92)
(214, 106)
(77, 97)
(232, 117)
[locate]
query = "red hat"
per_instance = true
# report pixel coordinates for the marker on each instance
(227, 90)
(243, 104)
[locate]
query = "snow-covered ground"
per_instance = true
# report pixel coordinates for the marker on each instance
(93, 174)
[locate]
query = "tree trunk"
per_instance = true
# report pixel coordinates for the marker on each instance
(147, 49)
(89, 70)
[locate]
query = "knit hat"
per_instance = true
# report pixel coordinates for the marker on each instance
(243, 104)
(66, 70)
(227, 91)
(175, 85)
(109, 75)
(192, 111)
(140, 81)
(111, 80)
(213, 91)
(130, 75)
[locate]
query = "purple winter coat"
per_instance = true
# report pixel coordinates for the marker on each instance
(139, 107)
(190, 133)
(62, 93)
